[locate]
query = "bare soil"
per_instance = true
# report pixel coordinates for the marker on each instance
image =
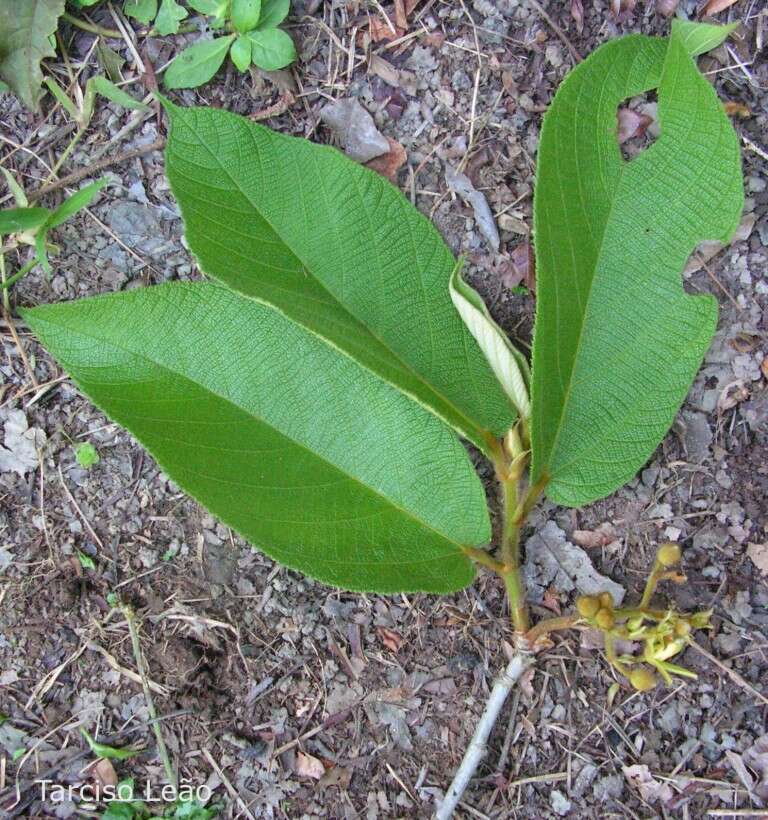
(260, 672)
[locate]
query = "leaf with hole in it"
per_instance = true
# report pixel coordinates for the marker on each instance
(618, 341)
(317, 461)
(336, 248)
(198, 63)
(25, 31)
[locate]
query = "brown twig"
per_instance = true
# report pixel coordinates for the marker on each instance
(577, 58)
(90, 170)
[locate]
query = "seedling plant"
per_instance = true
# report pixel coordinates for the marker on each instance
(247, 30)
(313, 395)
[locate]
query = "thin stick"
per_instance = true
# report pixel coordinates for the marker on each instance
(130, 617)
(732, 673)
(92, 28)
(233, 793)
(479, 744)
(94, 168)
(558, 31)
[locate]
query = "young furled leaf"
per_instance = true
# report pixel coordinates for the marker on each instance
(337, 249)
(317, 461)
(26, 29)
(169, 17)
(508, 364)
(271, 48)
(618, 341)
(109, 752)
(198, 63)
(101, 85)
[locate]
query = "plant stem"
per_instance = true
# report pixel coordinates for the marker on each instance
(478, 745)
(6, 283)
(92, 28)
(551, 625)
(510, 556)
(130, 617)
(6, 292)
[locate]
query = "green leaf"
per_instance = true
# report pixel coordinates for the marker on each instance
(79, 200)
(198, 63)
(273, 12)
(698, 38)
(86, 562)
(110, 752)
(311, 457)
(241, 53)
(108, 89)
(169, 17)
(508, 364)
(25, 31)
(87, 455)
(142, 10)
(19, 197)
(18, 220)
(212, 7)
(618, 341)
(339, 250)
(245, 14)
(271, 49)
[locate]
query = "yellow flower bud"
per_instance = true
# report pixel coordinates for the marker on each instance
(604, 619)
(668, 555)
(642, 679)
(682, 629)
(606, 600)
(587, 606)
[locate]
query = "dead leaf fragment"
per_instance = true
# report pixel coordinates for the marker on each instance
(651, 790)
(308, 766)
(737, 109)
(550, 559)
(522, 267)
(577, 13)
(390, 163)
(756, 758)
(21, 444)
(716, 6)
(355, 129)
(462, 185)
(391, 639)
(758, 554)
(604, 535)
(103, 772)
(631, 124)
(622, 8)
(667, 7)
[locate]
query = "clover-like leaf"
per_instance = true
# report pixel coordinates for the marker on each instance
(169, 17)
(618, 341)
(143, 11)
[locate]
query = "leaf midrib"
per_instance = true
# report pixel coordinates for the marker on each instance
(479, 438)
(214, 394)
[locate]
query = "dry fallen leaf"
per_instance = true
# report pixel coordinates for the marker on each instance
(667, 7)
(355, 129)
(308, 766)
(462, 185)
(758, 553)
(651, 790)
(592, 539)
(390, 163)
(631, 124)
(103, 772)
(391, 639)
(577, 13)
(737, 109)
(622, 8)
(522, 269)
(716, 6)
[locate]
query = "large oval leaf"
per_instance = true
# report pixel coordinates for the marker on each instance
(311, 457)
(618, 341)
(338, 249)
